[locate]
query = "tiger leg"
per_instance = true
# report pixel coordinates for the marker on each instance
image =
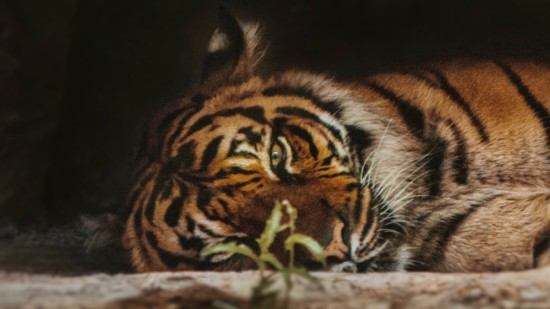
(511, 232)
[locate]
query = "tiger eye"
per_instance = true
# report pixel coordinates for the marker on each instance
(277, 155)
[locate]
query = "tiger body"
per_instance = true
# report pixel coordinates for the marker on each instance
(443, 167)
(481, 194)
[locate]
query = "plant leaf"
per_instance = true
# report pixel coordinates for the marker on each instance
(220, 304)
(282, 228)
(287, 273)
(304, 273)
(261, 296)
(290, 211)
(264, 284)
(233, 248)
(272, 259)
(309, 243)
(271, 227)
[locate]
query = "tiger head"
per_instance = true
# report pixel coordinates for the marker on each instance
(213, 165)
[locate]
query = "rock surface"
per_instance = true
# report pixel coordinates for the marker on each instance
(529, 289)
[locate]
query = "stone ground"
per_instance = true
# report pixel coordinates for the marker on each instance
(33, 277)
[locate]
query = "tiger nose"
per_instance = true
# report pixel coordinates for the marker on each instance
(337, 251)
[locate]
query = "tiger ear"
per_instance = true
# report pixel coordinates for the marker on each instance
(233, 52)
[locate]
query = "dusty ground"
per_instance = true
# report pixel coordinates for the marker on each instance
(199, 289)
(50, 278)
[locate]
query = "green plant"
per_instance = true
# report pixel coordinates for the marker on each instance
(263, 294)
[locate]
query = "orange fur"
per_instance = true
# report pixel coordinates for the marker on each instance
(443, 167)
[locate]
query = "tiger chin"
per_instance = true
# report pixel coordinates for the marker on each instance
(444, 167)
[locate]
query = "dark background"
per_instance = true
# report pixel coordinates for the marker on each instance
(78, 79)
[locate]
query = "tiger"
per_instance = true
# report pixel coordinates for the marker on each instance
(441, 167)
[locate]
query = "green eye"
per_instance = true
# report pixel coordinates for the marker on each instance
(277, 155)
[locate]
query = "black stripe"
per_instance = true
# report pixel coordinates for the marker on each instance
(413, 117)
(421, 77)
(331, 107)
(460, 162)
(252, 137)
(234, 258)
(203, 201)
(360, 140)
(189, 224)
(192, 243)
(278, 123)
(159, 187)
(389, 227)
(358, 207)
(538, 108)
(233, 187)
(141, 168)
(420, 220)
(150, 208)
(186, 156)
(210, 152)
(173, 212)
(306, 136)
(370, 216)
(300, 112)
(351, 186)
(137, 222)
(459, 100)
(242, 96)
(167, 258)
(333, 150)
(335, 175)
(237, 170)
(255, 113)
(433, 245)
(326, 161)
(167, 191)
(243, 153)
(438, 238)
(435, 156)
(139, 233)
(225, 206)
(234, 170)
(193, 178)
(137, 189)
(208, 231)
(180, 126)
(169, 118)
(163, 126)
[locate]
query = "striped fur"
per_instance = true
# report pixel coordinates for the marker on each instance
(443, 167)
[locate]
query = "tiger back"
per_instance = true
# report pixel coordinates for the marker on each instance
(443, 167)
